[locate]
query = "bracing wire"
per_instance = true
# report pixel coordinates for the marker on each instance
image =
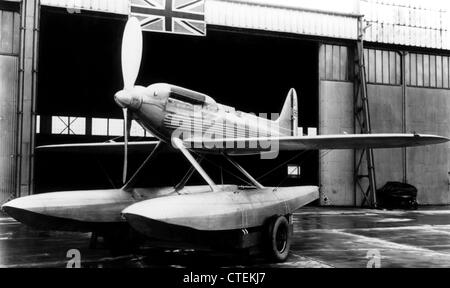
(225, 170)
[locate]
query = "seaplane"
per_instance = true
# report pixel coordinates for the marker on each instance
(207, 216)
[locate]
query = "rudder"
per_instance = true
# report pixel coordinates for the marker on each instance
(289, 114)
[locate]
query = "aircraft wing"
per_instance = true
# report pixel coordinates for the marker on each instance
(325, 142)
(261, 144)
(105, 147)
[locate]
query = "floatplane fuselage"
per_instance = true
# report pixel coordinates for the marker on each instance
(170, 112)
(204, 216)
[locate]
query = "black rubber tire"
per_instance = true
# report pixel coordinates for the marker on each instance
(278, 239)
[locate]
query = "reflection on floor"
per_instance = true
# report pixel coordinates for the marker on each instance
(324, 237)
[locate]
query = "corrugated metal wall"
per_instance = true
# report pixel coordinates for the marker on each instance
(9, 32)
(428, 70)
(382, 67)
(405, 22)
(9, 48)
(424, 108)
(336, 66)
(109, 6)
(245, 14)
(412, 23)
(423, 70)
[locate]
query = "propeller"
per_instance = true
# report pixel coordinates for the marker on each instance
(127, 117)
(131, 61)
(131, 52)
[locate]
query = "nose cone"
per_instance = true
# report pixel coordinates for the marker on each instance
(123, 99)
(70, 210)
(131, 98)
(19, 203)
(19, 209)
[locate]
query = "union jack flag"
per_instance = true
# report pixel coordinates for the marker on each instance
(172, 16)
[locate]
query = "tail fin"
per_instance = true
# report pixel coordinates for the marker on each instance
(289, 115)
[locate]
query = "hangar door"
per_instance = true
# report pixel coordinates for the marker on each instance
(80, 72)
(9, 77)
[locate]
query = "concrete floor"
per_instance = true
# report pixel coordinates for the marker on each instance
(324, 237)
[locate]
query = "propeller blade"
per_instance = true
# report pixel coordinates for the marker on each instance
(131, 52)
(131, 63)
(126, 127)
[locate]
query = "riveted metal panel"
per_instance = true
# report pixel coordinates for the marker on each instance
(108, 6)
(9, 32)
(255, 15)
(246, 14)
(412, 23)
(8, 125)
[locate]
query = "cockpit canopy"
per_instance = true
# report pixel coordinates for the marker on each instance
(182, 94)
(186, 95)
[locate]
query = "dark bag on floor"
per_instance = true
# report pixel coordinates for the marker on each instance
(397, 195)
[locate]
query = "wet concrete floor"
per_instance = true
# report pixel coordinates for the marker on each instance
(323, 237)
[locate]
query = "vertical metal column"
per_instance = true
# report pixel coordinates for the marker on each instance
(26, 116)
(403, 55)
(362, 123)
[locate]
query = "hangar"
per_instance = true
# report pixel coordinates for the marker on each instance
(60, 69)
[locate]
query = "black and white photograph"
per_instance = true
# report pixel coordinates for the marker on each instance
(233, 135)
